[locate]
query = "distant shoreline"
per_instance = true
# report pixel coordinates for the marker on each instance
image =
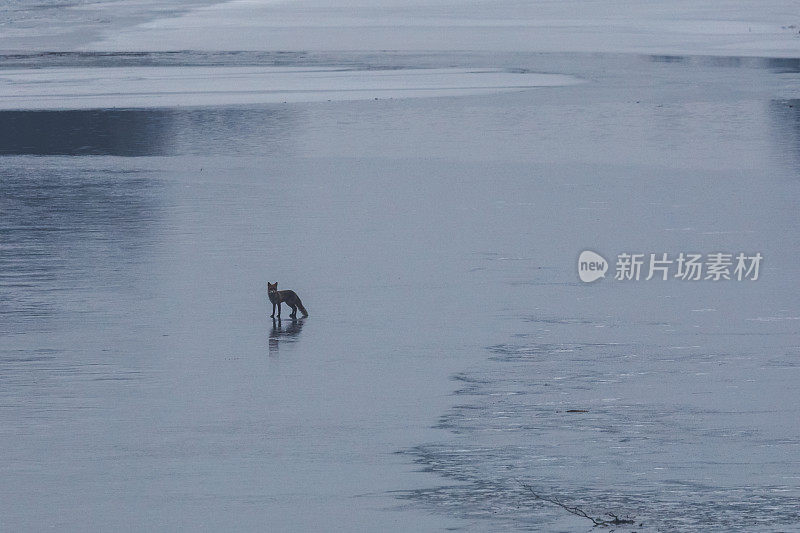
(70, 27)
(727, 29)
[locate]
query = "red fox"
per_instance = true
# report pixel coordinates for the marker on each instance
(288, 297)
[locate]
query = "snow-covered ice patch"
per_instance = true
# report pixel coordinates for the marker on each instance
(139, 87)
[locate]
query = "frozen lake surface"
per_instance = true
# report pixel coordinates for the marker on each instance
(452, 361)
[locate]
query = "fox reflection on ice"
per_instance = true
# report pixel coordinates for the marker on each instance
(283, 334)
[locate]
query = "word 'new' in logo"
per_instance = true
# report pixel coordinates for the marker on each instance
(591, 266)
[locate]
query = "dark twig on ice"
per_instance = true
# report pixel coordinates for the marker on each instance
(577, 511)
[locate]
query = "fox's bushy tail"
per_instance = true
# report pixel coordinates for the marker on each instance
(302, 309)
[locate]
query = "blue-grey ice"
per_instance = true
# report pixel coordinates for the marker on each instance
(425, 175)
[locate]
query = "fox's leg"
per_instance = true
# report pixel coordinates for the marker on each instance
(273, 311)
(294, 311)
(279, 309)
